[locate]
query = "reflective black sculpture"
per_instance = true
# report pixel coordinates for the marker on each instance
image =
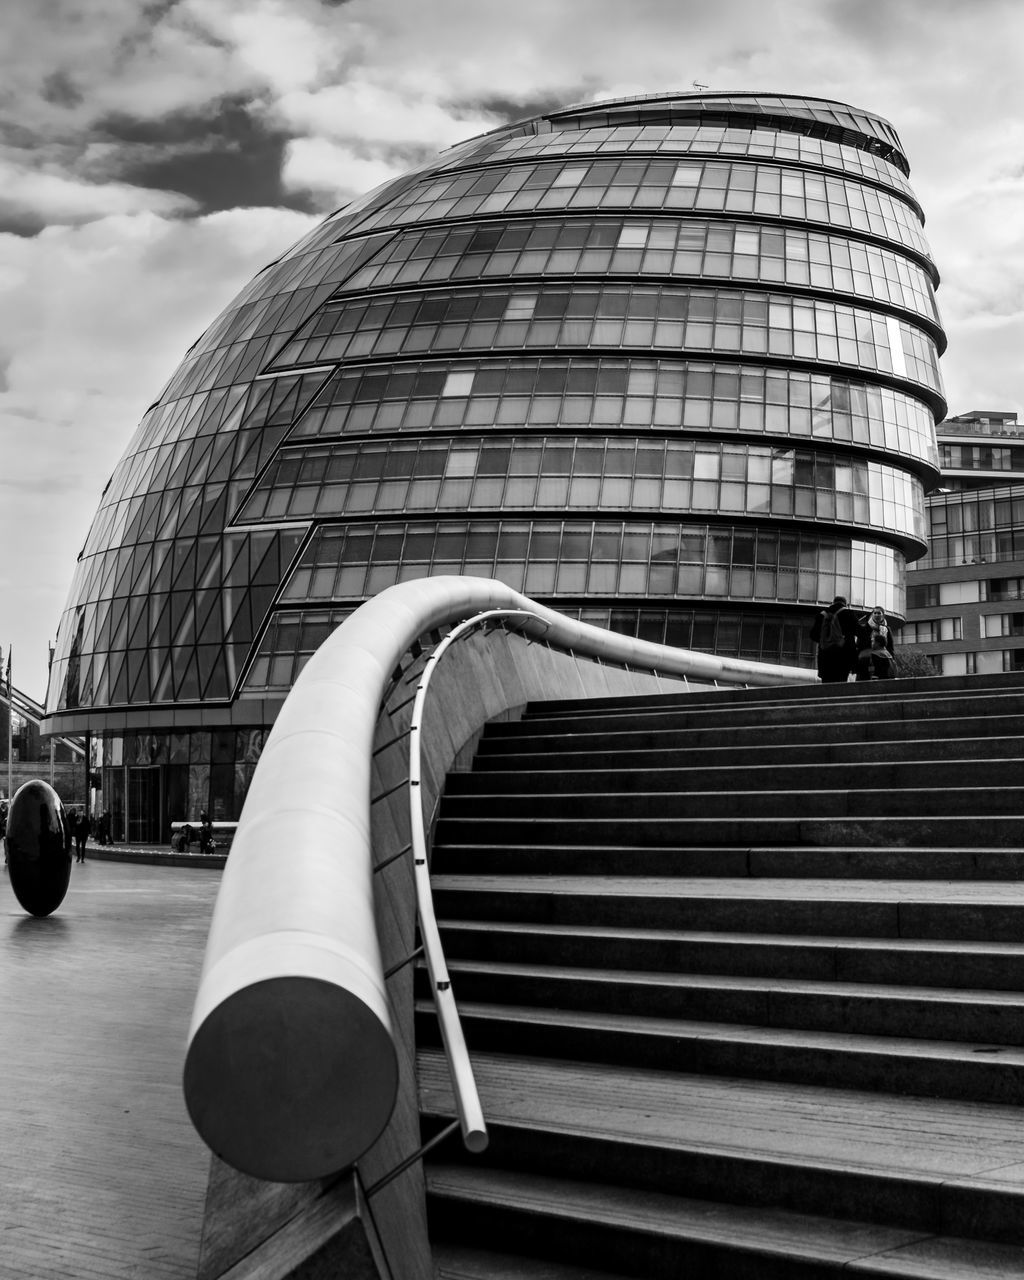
(38, 848)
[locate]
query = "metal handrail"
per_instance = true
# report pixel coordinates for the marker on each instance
(292, 1067)
(460, 1069)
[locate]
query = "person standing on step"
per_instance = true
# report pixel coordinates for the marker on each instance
(875, 659)
(832, 632)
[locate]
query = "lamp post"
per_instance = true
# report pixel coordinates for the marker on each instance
(10, 729)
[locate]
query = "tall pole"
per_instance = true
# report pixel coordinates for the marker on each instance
(88, 753)
(10, 729)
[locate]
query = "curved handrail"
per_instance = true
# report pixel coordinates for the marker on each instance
(460, 1069)
(291, 1071)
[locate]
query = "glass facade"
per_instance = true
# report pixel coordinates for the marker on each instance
(669, 364)
(975, 559)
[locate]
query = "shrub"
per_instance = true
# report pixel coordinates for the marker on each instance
(911, 660)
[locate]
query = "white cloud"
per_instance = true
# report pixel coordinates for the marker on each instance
(282, 44)
(332, 169)
(56, 197)
(377, 114)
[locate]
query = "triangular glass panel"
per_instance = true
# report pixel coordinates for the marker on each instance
(182, 616)
(138, 682)
(208, 563)
(163, 689)
(189, 525)
(185, 555)
(199, 460)
(215, 509)
(187, 682)
(212, 675)
(119, 692)
(160, 629)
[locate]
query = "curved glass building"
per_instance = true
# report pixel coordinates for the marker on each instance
(669, 364)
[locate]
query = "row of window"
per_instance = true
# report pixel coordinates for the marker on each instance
(674, 108)
(521, 473)
(973, 548)
(686, 248)
(968, 526)
(736, 187)
(992, 626)
(293, 638)
(641, 317)
(609, 392)
(607, 558)
(699, 139)
(196, 746)
(167, 621)
(983, 663)
(931, 595)
(932, 631)
(113, 677)
(981, 457)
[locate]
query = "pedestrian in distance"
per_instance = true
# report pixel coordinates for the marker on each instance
(833, 632)
(875, 660)
(81, 830)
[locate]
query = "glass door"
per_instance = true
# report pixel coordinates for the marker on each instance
(144, 805)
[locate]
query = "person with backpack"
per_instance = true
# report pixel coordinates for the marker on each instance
(832, 632)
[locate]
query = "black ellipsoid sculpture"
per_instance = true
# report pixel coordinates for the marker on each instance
(38, 848)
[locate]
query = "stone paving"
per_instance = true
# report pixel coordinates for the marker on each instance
(101, 1174)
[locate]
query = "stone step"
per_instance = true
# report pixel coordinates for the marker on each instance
(779, 775)
(742, 979)
(981, 912)
(935, 963)
(850, 1008)
(641, 756)
(661, 1237)
(527, 737)
(664, 1237)
(784, 712)
(455, 1262)
(976, 1072)
(833, 861)
(993, 682)
(653, 806)
(927, 1164)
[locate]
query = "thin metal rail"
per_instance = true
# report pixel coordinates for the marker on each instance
(467, 1097)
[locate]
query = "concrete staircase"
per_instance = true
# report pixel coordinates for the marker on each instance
(742, 978)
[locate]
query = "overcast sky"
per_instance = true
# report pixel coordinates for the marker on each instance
(154, 156)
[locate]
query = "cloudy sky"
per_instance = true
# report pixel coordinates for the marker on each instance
(154, 156)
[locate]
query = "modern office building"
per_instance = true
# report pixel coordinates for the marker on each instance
(669, 364)
(964, 598)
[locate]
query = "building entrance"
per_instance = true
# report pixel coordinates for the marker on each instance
(144, 808)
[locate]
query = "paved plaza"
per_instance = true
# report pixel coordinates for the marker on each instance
(101, 1173)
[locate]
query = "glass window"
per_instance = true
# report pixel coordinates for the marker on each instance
(458, 383)
(632, 237)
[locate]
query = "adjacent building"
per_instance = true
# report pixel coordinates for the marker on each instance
(669, 364)
(964, 598)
